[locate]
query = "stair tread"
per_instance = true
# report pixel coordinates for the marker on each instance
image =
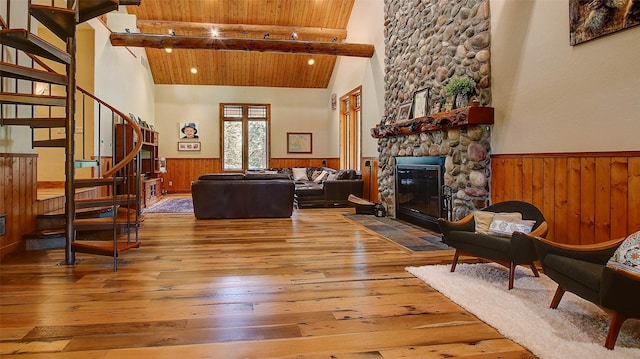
(31, 99)
(58, 142)
(35, 122)
(106, 201)
(45, 233)
(28, 42)
(87, 10)
(86, 211)
(61, 21)
(119, 197)
(95, 182)
(104, 220)
(31, 74)
(103, 247)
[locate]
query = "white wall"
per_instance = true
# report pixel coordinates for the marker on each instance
(366, 26)
(553, 97)
(292, 110)
(122, 76)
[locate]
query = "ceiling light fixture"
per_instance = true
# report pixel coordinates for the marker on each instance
(171, 32)
(168, 50)
(266, 36)
(215, 33)
(311, 61)
(194, 70)
(294, 36)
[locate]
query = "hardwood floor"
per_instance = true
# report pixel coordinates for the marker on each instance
(312, 286)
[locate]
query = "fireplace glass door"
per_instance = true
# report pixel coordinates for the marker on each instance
(418, 191)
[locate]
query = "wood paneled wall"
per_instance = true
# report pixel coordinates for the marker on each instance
(181, 171)
(18, 187)
(585, 197)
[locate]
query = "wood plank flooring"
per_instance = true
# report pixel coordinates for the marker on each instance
(311, 286)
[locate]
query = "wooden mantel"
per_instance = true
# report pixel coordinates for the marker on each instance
(472, 115)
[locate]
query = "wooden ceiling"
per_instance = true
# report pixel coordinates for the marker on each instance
(315, 21)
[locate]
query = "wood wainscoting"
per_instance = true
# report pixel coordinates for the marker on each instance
(585, 197)
(18, 188)
(182, 171)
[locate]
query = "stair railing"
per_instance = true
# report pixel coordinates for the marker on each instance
(130, 156)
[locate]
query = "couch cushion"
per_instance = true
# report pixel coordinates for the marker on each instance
(493, 243)
(221, 176)
(627, 256)
(586, 273)
(309, 190)
(266, 176)
(300, 174)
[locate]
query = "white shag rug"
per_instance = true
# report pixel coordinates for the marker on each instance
(577, 329)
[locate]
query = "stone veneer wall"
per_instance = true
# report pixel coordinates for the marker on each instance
(427, 42)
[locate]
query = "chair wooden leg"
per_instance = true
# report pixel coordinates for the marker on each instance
(455, 261)
(534, 270)
(614, 328)
(512, 274)
(556, 298)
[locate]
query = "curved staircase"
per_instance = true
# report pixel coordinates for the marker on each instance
(119, 208)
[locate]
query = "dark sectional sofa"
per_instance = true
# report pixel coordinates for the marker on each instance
(331, 191)
(273, 194)
(236, 195)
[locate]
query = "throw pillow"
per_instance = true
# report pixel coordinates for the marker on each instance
(504, 227)
(627, 256)
(483, 219)
(300, 174)
(332, 176)
(321, 177)
(315, 174)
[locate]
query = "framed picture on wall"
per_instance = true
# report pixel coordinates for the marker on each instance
(188, 130)
(188, 146)
(299, 142)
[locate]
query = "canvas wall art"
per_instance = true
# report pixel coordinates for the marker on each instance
(590, 19)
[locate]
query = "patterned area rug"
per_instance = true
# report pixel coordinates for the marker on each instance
(407, 235)
(171, 205)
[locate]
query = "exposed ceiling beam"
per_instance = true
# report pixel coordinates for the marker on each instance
(237, 30)
(241, 44)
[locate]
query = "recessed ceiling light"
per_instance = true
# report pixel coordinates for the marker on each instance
(194, 70)
(215, 33)
(311, 61)
(168, 50)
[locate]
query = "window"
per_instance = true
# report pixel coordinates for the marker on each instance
(351, 129)
(245, 136)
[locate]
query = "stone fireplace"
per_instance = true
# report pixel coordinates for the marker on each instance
(461, 137)
(427, 43)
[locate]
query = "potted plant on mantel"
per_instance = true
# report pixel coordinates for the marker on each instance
(460, 88)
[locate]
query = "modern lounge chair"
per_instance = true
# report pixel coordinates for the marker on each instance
(583, 270)
(509, 250)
